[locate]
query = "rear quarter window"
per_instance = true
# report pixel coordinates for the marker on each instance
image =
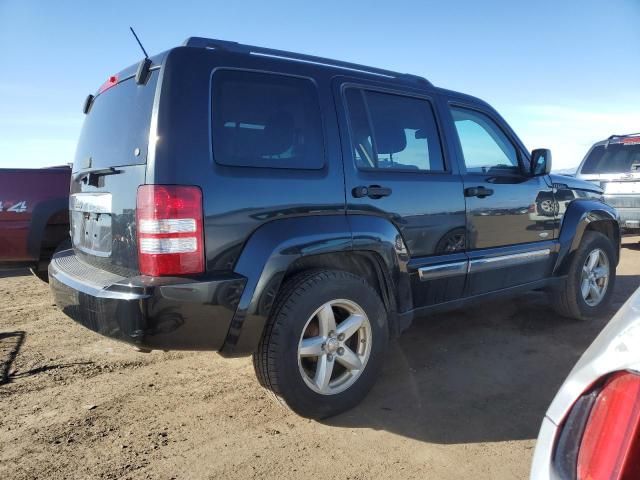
(266, 120)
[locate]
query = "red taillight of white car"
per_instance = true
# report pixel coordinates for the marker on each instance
(610, 446)
(169, 230)
(600, 437)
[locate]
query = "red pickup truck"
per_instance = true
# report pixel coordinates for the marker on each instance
(34, 216)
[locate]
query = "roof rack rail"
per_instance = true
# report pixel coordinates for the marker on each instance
(228, 46)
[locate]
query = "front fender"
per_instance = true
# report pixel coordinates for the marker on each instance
(579, 216)
(275, 246)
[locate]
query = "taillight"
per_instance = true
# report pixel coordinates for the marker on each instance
(610, 446)
(112, 81)
(169, 228)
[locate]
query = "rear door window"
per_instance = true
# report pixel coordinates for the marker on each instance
(393, 132)
(266, 120)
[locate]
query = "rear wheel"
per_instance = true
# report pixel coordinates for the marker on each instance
(323, 346)
(44, 274)
(586, 292)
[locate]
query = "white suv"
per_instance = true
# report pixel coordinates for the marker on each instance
(614, 164)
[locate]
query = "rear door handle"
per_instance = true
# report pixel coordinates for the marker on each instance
(372, 191)
(479, 192)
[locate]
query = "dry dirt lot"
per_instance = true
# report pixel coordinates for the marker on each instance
(462, 396)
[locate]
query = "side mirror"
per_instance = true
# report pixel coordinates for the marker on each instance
(540, 162)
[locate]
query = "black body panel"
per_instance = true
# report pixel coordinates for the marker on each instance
(429, 240)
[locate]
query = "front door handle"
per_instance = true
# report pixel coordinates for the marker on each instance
(479, 192)
(372, 191)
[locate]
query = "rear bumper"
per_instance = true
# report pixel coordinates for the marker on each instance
(628, 208)
(629, 218)
(152, 313)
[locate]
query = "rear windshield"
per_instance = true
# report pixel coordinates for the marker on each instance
(116, 129)
(616, 158)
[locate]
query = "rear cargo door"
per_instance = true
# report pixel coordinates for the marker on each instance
(109, 166)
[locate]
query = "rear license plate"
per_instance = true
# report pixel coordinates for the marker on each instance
(91, 223)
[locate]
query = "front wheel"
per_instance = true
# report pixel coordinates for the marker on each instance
(323, 346)
(586, 291)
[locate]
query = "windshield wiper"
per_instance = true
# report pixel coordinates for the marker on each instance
(91, 176)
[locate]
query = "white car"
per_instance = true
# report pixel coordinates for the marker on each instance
(592, 428)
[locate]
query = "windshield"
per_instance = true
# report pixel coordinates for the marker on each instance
(116, 130)
(616, 158)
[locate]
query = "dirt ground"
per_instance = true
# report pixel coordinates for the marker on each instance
(462, 396)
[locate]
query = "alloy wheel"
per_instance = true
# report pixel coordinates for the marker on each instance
(595, 277)
(334, 347)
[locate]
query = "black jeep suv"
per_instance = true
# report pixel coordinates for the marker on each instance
(304, 210)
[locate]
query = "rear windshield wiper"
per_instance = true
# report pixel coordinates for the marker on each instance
(91, 176)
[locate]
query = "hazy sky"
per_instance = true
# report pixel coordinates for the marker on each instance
(563, 73)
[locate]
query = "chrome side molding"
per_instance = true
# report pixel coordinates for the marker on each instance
(443, 270)
(481, 264)
(451, 269)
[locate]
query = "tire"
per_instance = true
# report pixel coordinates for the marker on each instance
(44, 274)
(568, 299)
(299, 309)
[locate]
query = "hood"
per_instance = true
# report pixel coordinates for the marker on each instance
(572, 183)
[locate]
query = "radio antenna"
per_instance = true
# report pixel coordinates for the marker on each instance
(139, 42)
